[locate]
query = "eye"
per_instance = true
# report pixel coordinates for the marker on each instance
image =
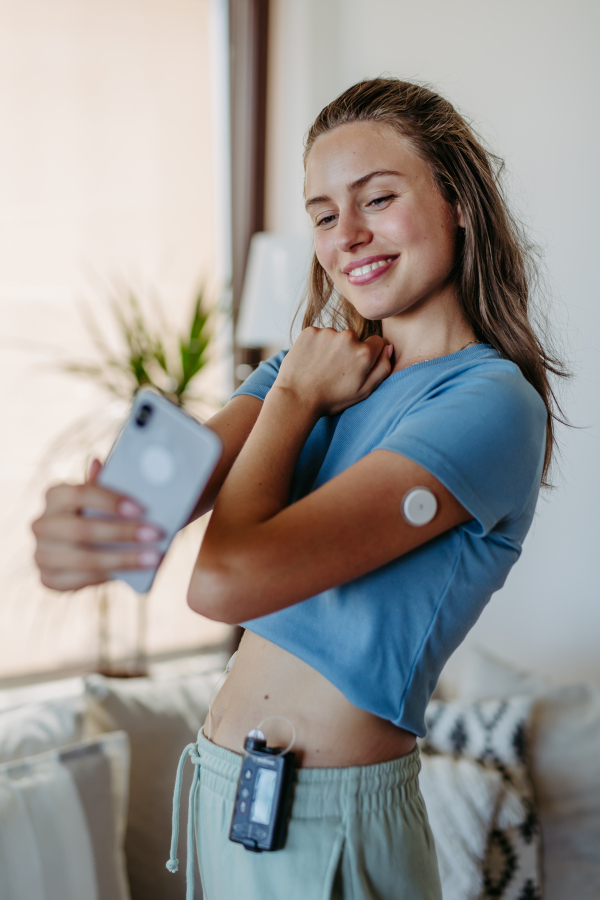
(378, 202)
(325, 221)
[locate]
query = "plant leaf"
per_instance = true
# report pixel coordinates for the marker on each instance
(193, 347)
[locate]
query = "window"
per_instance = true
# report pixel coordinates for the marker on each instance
(108, 165)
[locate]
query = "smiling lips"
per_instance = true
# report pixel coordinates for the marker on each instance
(363, 271)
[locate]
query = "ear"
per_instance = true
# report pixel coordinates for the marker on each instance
(460, 219)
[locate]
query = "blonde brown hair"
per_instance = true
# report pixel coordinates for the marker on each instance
(495, 268)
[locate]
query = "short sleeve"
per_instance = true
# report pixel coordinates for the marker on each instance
(261, 381)
(482, 435)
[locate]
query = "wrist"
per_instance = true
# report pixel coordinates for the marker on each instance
(287, 398)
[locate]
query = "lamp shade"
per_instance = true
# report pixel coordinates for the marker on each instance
(275, 280)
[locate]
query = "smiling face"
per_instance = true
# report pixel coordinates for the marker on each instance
(383, 232)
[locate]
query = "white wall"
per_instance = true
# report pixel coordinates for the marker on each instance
(527, 74)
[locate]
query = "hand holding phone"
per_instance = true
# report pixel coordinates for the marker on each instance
(162, 459)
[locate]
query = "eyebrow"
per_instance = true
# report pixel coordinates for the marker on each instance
(355, 185)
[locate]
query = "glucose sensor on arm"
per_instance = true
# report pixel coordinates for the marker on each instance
(419, 506)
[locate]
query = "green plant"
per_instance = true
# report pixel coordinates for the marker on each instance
(147, 356)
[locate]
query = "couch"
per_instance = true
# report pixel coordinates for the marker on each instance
(510, 775)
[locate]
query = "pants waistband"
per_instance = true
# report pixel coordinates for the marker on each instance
(321, 792)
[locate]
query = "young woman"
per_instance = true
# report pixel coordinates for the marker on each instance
(430, 376)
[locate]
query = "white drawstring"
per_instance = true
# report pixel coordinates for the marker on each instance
(192, 751)
(173, 864)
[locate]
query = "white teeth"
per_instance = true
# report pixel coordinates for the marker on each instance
(362, 270)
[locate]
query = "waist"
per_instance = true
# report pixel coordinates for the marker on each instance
(267, 681)
(320, 792)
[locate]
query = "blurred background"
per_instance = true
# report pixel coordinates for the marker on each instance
(143, 144)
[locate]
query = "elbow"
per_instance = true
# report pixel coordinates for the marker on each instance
(215, 594)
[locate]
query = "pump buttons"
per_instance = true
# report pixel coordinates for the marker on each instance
(419, 506)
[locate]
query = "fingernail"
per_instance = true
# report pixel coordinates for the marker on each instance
(149, 558)
(390, 350)
(129, 509)
(148, 533)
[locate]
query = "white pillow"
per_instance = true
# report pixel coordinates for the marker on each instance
(494, 734)
(484, 676)
(565, 770)
(160, 716)
(461, 797)
(36, 727)
(62, 823)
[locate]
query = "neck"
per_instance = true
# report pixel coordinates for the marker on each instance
(431, 331)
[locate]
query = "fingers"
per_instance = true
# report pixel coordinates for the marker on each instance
(380, 371)
(376, 341)
(81, 530)
(55, 557)
(73, 550)
(75, 497)
(95, 469)
(376, 344)
(334, 370)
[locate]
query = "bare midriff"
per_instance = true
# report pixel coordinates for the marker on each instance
(330, 731)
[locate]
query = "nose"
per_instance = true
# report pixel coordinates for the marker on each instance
(351, 231)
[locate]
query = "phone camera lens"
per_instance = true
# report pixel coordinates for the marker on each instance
(143, 415)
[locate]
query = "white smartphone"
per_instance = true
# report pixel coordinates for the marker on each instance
(163, 459)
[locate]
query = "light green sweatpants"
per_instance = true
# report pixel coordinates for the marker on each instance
(358, 833)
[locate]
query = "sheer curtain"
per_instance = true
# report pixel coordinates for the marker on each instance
(108, 164)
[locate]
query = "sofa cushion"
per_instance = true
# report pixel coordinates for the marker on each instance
(36, 727)
(161, 716)
(565, 769)
(62, 823)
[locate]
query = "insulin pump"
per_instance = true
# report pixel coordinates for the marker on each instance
(263, 796)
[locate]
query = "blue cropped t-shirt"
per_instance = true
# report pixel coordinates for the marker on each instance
(475, 423)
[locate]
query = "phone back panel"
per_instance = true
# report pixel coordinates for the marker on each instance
(164, 464)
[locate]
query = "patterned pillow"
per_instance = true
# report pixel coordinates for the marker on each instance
(494, 734)
(462, 798)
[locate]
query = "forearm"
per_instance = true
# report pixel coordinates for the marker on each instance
(256, 489)
(258, 484)
(232, 425)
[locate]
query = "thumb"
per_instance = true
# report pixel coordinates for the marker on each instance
(95, 469)
(376, 342)
(380, 371)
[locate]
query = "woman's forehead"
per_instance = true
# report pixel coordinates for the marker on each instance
(352, 150)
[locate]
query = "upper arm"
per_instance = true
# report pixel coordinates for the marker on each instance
(483, 435)
(232, 424)
(344, 529)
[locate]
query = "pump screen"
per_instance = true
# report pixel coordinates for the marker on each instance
(263, 796)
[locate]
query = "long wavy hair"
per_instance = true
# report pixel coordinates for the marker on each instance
(496, 267)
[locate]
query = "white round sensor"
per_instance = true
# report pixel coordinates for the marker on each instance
(419, 506)
(157, 465)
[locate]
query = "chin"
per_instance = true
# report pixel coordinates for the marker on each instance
(378, 304)
(374, 311)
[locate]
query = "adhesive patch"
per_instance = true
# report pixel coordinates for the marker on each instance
(419, 506)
